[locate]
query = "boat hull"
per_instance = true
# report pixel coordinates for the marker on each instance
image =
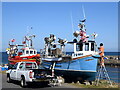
(13, 60)
(76, 69)
(76, 75)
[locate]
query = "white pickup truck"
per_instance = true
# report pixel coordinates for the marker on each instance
(27, 72)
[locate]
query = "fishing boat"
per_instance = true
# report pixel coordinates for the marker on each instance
(22, 52)
(81, 64)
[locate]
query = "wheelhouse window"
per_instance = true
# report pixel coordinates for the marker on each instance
(92, 47)
(34, 52)
(86, 46)
(79, 47)
(27, 52)
(23, 51)
(31, 52)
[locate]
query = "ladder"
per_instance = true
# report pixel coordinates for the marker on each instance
(102, 73)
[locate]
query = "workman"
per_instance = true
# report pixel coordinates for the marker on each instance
(101, 53)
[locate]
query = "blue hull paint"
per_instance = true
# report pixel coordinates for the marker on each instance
(76, 75)
(84, 68)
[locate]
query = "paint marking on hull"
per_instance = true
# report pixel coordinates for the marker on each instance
(31, 60)
(81, 57)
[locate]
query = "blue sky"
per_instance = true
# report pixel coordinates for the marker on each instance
(55, 18)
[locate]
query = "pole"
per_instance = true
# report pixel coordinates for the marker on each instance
(72, 23)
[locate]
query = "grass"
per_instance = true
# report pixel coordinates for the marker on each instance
(102, 84)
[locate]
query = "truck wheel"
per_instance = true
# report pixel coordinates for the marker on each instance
(8, 79)
(22, 82)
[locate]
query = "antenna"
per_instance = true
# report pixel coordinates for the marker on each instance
(72, 22)
(83, 12)
(28, 29)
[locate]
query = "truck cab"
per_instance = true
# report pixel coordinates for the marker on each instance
(28, 72)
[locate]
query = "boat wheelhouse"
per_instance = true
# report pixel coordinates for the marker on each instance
(27, 52)
(22, 52)
(81, 48)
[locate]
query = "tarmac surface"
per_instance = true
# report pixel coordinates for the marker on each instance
(16, 84)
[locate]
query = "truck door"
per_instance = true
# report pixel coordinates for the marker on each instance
(20, 71)
(13, 72)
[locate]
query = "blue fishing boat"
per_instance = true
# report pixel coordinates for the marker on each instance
(81, 64)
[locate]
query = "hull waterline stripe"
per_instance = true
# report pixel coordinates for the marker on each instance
(76, 70)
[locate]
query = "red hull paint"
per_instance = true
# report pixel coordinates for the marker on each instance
(16, 59)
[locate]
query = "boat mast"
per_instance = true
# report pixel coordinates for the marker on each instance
(82, 29)
(29, 38)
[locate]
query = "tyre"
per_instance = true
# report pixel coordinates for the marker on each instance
(8, 79)
(23, 82)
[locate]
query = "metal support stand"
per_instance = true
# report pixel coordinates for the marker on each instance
(102, 72)
(55, 80)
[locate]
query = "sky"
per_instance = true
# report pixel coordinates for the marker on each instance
(55, 18)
